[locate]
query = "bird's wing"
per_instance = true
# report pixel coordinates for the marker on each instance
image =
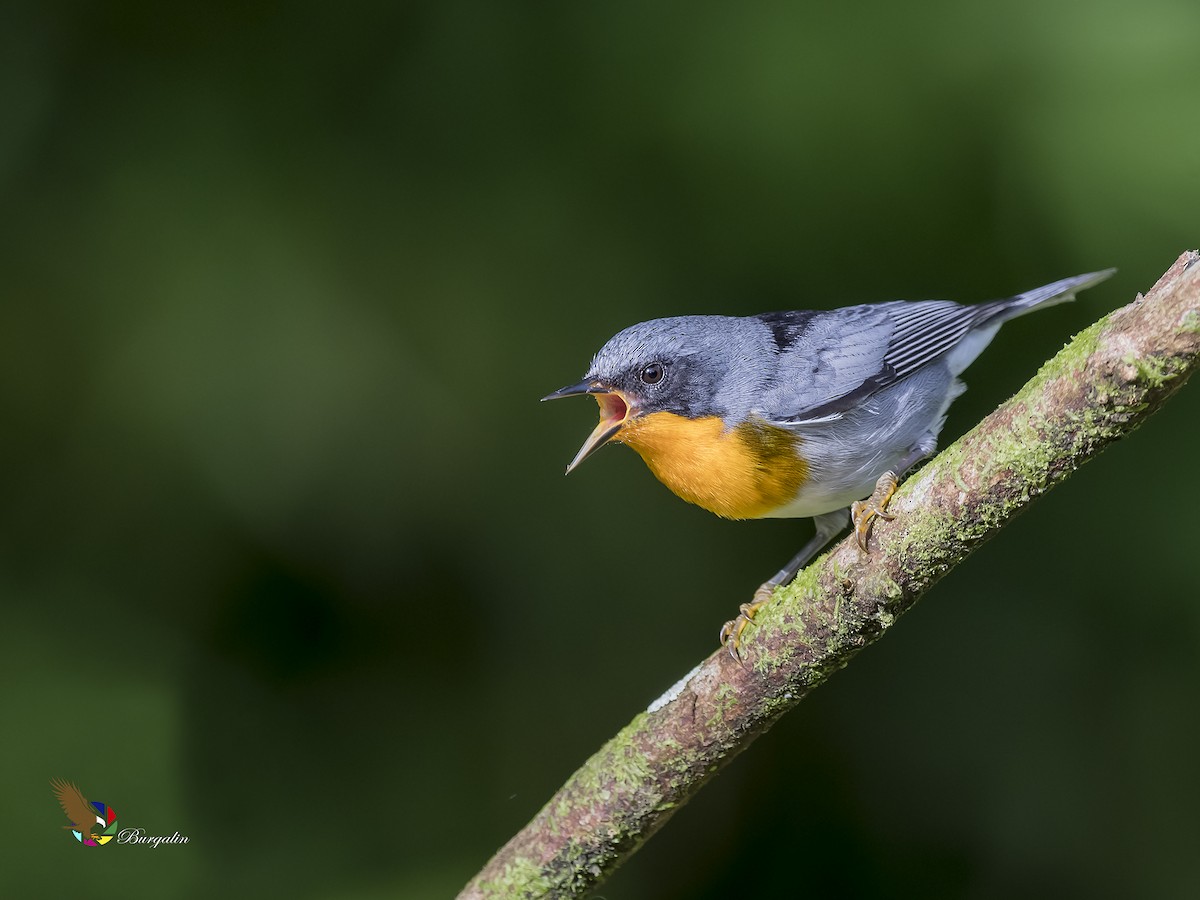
(73, 803)
(927, 329)
(840, 358)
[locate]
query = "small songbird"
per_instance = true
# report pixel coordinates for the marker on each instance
(794, 414)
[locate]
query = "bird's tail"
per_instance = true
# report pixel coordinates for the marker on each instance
(1046, 295)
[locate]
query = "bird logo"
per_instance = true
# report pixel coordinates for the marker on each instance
(93, 824)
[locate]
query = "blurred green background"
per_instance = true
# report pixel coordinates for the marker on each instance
(287, 557)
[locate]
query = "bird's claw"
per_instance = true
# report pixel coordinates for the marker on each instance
(731, 631)
(863, 512)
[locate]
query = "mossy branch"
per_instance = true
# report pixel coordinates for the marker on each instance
(1101, 387)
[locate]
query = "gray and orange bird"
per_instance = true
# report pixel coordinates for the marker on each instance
(794, 414)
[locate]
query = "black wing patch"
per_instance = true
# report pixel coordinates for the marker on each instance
(786, 327)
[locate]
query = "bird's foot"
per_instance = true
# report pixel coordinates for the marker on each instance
(863, 512)
(731, 631)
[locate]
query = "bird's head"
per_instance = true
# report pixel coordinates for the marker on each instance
(679, 365)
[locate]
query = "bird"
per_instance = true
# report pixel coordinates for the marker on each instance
(82, 816)
(794, 414)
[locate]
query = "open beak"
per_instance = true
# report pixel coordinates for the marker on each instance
(615, 410)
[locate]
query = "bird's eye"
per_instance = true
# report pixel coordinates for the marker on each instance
(653, 373)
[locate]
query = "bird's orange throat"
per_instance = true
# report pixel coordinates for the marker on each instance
(743, 472)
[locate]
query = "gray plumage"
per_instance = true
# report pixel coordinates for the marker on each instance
(866, 388)
(861, 392)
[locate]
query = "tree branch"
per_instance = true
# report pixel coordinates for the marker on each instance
(1101, 387)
